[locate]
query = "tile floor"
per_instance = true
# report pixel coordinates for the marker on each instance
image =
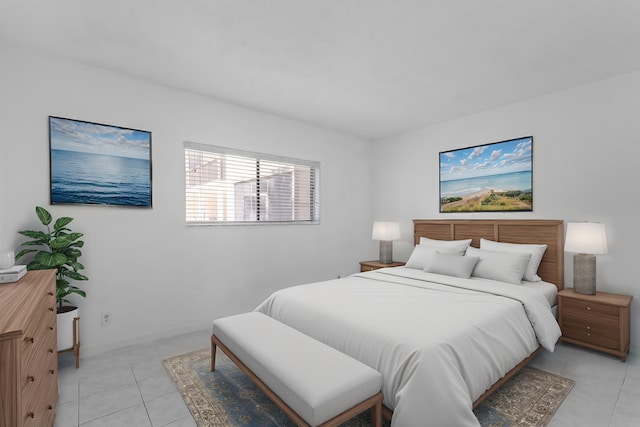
(130, 388)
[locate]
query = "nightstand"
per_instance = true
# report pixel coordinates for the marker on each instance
(374, 265)
(599, 322)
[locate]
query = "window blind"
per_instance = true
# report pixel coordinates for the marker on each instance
(228, 186)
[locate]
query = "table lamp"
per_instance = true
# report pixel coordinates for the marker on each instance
(585, 239)
(6, 259)
(386, 232)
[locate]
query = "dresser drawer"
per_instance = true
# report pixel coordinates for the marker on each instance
(590, 310)
(44, 313)
(40, 344)
(39, 395)
(40, 413)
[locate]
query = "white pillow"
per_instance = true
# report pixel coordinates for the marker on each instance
(421, 255)
(506, 267)
(451, 265)
(536, 251)
(459, 246)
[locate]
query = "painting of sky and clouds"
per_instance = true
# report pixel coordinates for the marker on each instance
(490, 177)
(99, 164)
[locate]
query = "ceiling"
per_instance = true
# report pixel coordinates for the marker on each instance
(371, 68)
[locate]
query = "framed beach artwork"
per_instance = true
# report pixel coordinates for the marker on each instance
(488, 178)
(98, 164)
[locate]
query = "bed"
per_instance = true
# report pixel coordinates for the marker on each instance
(442, 343)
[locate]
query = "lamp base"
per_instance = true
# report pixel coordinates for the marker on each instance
(584, 274)
(386, 251)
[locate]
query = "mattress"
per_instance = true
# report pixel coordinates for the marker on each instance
(439, 342)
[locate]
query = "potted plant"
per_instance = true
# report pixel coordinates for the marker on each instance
(59, 250)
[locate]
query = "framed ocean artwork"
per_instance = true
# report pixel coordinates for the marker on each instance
(488, 178)
(98, 164)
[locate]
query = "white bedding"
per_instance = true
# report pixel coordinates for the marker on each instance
(549, 290)
(438, 341)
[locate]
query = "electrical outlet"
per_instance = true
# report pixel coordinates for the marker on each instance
(105, 319)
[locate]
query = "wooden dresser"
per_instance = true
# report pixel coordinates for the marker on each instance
(28, 354)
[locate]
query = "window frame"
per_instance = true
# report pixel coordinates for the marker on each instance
(258, 157)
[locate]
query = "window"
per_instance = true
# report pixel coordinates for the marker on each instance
(227, 186)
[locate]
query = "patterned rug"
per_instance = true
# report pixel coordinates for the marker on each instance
(227, 397)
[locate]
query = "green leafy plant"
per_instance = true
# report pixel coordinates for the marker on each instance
(61, 252)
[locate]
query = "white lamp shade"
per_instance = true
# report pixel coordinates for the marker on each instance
(385, 230)
(586, 238)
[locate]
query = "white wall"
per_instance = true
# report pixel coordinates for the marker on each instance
(155, 275)
(585, 149)
(586, 146)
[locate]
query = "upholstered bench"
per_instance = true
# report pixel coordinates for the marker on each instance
(314, 384)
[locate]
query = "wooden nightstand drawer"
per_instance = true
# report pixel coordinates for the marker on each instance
(592, 332)
(590, 310)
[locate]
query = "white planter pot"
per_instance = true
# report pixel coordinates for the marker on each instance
(65, 329)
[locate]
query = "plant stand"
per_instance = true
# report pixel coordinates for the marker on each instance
(76, 341)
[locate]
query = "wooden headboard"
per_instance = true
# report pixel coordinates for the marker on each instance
(535, 231)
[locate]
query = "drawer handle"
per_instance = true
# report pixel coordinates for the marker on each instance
(50, 294)
(50, 350)
(30, 378)
(29, 339)
(588, 308)
(49, 407)
(31, 415)
(51, 371)
(588, 328)
(588, 334)
(51, 308)
(51, 328)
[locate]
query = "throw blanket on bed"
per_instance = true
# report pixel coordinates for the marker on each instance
(438, 341)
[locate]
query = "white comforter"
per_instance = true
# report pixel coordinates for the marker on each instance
(439, 342)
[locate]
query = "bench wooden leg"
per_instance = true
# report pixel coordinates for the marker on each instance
(376, 414)
(213, 355)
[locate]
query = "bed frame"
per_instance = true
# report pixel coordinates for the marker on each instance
(535, 231)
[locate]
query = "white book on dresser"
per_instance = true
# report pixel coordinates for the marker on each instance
(13, 274)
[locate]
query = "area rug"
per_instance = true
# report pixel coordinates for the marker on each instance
(228, 398)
